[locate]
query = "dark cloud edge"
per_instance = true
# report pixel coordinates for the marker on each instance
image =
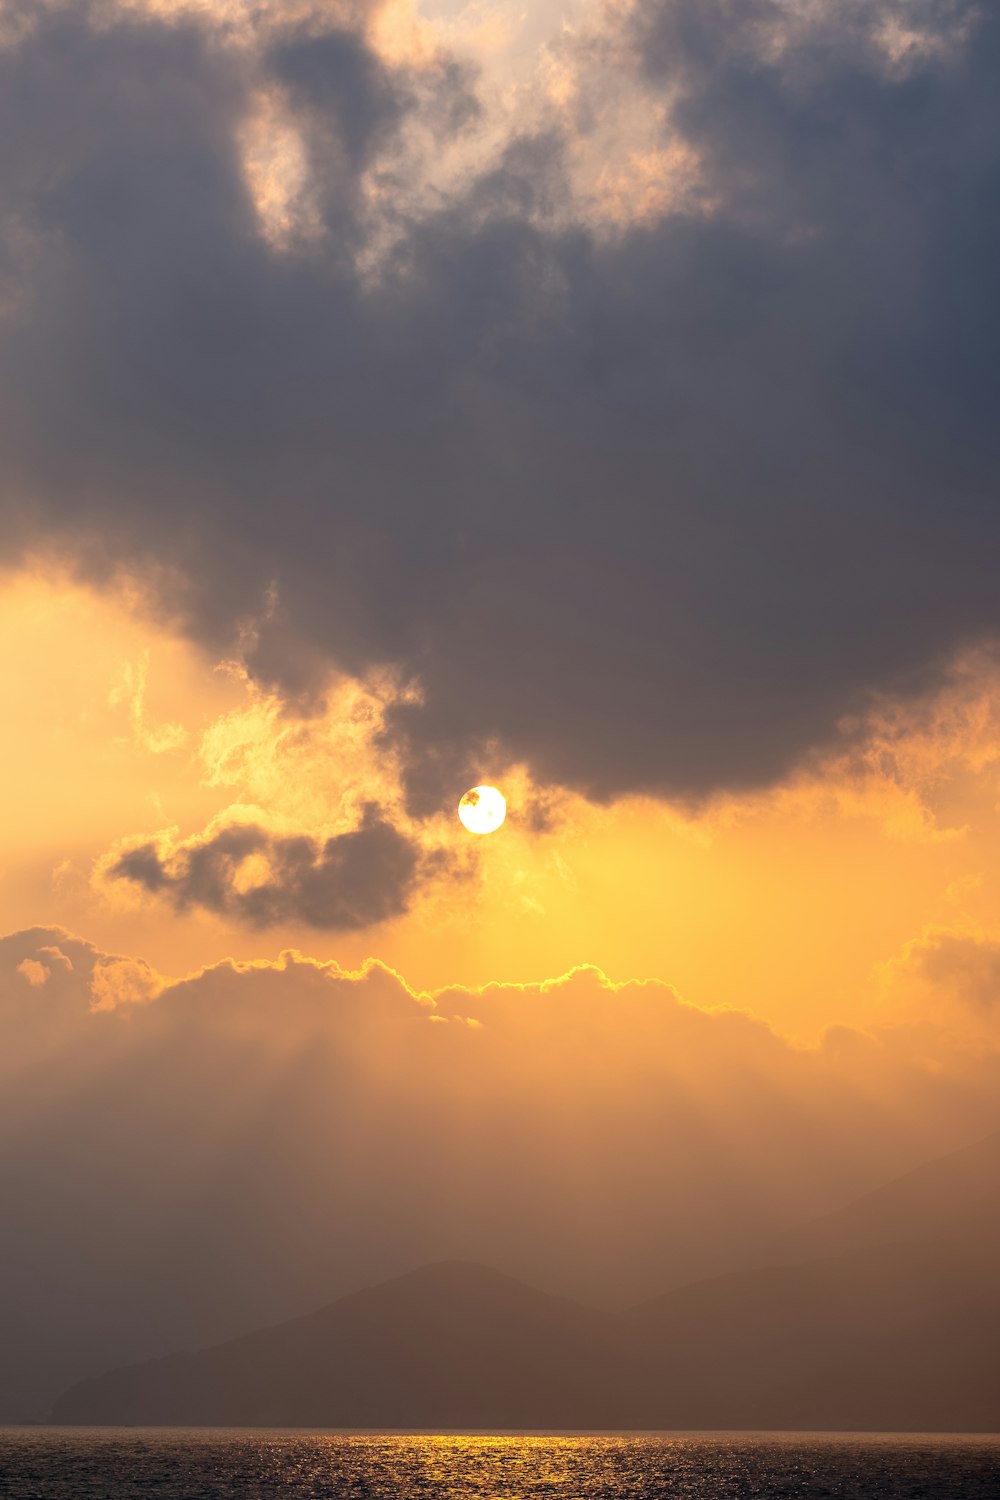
(653, 514)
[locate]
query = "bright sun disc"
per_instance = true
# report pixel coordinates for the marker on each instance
(483, 809)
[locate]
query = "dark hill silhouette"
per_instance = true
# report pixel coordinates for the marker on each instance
(453, 1344)
(900, 1337)
(953, 1199)
(884, 1314)
(900, 1332)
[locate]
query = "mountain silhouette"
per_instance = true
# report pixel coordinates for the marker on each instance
(898, 1331)
(953, 1199)
(453, 1344)
(882, 1315)
(895, 1338)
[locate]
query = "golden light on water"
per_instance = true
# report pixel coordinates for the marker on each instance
(483, 809)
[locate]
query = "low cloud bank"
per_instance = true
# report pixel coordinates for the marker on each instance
(182, 1160)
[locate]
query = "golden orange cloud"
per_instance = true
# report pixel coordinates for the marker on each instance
(791, 901)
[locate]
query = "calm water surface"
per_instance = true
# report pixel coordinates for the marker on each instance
(202, 1464)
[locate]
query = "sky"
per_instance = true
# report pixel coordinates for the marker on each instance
(594, 400)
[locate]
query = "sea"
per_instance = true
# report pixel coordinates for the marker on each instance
(87, 1463)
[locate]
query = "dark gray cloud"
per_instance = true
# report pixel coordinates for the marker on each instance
(336, 78)
(349, 881)
(653, 511)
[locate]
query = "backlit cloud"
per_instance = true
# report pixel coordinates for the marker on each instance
(653, 511)
(956, 975)
(265, 879)
(182, 1160)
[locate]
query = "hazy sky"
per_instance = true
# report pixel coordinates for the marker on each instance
(597, 400)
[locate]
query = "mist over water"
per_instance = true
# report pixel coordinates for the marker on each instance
(117, 1464)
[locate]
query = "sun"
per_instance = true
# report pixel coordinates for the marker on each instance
(483, 809)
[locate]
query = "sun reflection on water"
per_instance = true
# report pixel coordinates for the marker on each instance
(243, 1464)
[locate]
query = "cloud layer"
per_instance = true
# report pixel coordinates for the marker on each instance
(651, 509)
(183, 1160)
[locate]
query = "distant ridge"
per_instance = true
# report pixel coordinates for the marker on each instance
(948, 1199)
(901, 1331)
(454, 1344)
(896, 1338)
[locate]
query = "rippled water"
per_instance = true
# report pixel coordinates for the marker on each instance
(202, 1464)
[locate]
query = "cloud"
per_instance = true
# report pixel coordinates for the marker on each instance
(184, 1159)
(34, 972)
(261, 878)
(953, 968)
(650, 510)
